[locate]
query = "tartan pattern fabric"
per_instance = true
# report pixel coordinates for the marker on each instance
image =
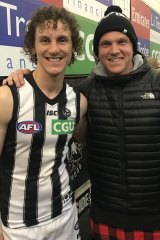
(105, 232)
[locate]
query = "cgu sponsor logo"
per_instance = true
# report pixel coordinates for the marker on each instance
(29, 127)
(62, 127)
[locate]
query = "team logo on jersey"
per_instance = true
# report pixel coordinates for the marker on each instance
(75, 159)
(147, 95)
(61, 127)
(66, 112)
(29, 127)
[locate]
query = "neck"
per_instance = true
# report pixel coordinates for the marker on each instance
(49, 85)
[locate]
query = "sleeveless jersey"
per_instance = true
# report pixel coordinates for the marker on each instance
(36, 185)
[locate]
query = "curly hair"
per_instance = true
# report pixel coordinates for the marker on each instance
(51, 14)
(153, 62)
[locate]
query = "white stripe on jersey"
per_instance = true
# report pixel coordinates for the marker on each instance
(22, 152)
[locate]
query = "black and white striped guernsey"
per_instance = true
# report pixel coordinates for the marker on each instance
(36, 185)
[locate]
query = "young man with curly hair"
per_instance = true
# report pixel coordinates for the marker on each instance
(37, 122)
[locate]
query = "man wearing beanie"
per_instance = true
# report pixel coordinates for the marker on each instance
(123, 139)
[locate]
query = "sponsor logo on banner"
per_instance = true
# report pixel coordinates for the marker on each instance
(93, 10)
(144, 46)
(155, 21)
(155, 49)
(140, 18)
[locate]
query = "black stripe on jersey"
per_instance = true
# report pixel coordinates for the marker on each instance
(34, 165)
(8, 158)
(78, 106)
(66, 160)
(70, 180)
(56, 194)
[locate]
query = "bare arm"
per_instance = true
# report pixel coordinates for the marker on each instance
(81, 128)
(1, 235)
(6, 108)
(16, 77)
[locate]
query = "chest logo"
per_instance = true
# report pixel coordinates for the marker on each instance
(66, 112)
(61, 127)
(29, 127)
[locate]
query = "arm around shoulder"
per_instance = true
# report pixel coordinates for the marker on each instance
(16, 77)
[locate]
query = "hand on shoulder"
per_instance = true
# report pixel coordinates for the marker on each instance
(16, 77)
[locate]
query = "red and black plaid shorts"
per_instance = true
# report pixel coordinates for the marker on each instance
(105, 232)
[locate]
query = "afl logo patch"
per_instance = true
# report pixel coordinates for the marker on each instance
(29, 127)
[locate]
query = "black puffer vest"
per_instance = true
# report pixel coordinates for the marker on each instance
(123, 148)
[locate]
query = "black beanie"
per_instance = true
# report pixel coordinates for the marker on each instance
(114, 20)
